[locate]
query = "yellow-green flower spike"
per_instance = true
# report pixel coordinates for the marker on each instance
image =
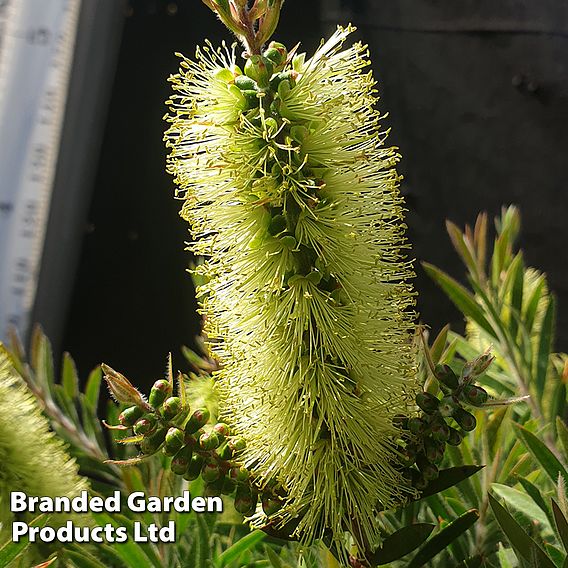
(293, 200)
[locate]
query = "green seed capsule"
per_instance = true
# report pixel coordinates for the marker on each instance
(194, 468)
(222, 430)
(245, 83)
(427, 402)
(259, 69)
(277, 53)
(171, 407)
(214, 489)
(198, 419)
(446, 376)
(455, 438)
(180, 462)
(239, 474)
(130, 415)
(209, 441)
(151, 444)
(210, 470)
(416, 425)
(224, 452)
(270, 504)
(160, 391)
(237, 444)
(287, 76)
(228, 486)
(251, 100)
(465, 419)
(475, 395)
(174, 441)
(440, 431)
(245, 501)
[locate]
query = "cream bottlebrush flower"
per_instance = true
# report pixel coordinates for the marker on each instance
(293, 201)
(32, 458)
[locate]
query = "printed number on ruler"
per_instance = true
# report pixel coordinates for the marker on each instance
(37, 39)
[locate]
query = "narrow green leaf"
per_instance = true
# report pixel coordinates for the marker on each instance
(11, 550)
(401, 543)
(274, 559)
(561, 524)
(521, 542)
(534, 492)
(93, 387)
(235, 551)
(439, 344)
(522, 503)
(202, 546)
(460, 296)
(462, 247)
(506, 557)
(443, 539)
(515, 280)
(473, 562)
(542, 454)
(450, 477)
(545, 346)
(562, 432)
(69, 377)
(533, 302)
(83, 559)
(558, 402)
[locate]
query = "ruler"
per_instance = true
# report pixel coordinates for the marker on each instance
(37, 39)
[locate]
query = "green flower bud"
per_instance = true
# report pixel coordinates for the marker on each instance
(210, 470)
(277, 53)
(228, 486)
(251, 100)
(160, 391)
(151, 444)
(180, 462)
(224, 452)
(474, 395)
(440, 431)
(198, 419)
(480, 365)
(245, 83)
(222, 430)
(270, 504)
(237, 444)
(416, 425)
(417, 479)
(446, 376)
(465, 419)
(130, 415)
(171, 407)
(259, 69)
(214, 489)
(428, 469)
(289, 242)
(174, 441)
(145, 425)
(194, 468)
(209, 441)
(239, 474)
(288, 76)
(245, 501)
(448, 405)
(408, 455)
(434, 450)
(427, 402)
(455, 438)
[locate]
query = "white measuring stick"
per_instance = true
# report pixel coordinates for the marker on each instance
(37, 39)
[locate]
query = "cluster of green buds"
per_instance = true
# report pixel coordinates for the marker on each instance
(442, 420)
(196, 447)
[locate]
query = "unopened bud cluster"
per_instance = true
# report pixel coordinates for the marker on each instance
(196, 448)
(443, 420)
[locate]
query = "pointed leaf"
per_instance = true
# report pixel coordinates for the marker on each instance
(562, 432)
(545, 346)
(450, 477)
(439, 344)
(401, 543)
(533, 302)
(473, 562)
(69, 379)
(460, 296)
(521, 502)
(522, 543)
(462, 246)
(235, 551)
(444, 538)
(93, 388)
(561, 524)
(11, 550)
(541, 454)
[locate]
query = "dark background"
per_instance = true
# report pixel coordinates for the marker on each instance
(477, 93)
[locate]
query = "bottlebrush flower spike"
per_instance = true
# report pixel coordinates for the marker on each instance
(293, 201)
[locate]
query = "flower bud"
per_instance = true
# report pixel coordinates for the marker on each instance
(455, 438)
(259, 69)
(228, 486)
(416, 425)
(288, 76)
(145, 425)
(239, 474)
(151, 444)
(174, 441)
(440, 431)
(428, 469)
(130, 415)
(465, 419)
(434, 450)
(122, 389)
(171, 407)
(474, 395)
(237, 444)
(180, 462)
(245, 83)
(198, 419)
(408, 455)
(210, 470)
(277, 53)
(209, 441)
(480, 365)
(194, 468)
(251, 100)
(270, 504)
(222, 430)
(245, 501)
(224, 452)
(213, 489)
(160, 391)
(417, 479)
(446, 376)
(427, 402)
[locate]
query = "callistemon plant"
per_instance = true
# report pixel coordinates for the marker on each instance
(293, 202)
